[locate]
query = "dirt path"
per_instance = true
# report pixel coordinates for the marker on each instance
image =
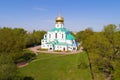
(22, 64)
(35, 49)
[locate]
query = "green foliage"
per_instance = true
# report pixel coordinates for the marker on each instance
(82, 35)
(82, 61)
(103, 49)
(116, 72)
(27, 56)
(12, 41)
(8, 69)
(34, 38)
(99, 50)
(28, 78)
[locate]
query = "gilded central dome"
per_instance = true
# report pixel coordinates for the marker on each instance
(60, 19)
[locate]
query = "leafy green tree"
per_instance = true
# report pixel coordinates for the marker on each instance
(110, 32)
(99, 49)
(82, 35)
(103, 51)
(38, 35)
(34, 38)
(12, 41)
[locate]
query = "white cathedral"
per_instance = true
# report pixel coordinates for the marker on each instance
(59, 38)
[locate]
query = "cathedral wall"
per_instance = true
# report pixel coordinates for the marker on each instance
(50, 36)
(60, 36)
(69, 41)
(44, 46)
(61, 47)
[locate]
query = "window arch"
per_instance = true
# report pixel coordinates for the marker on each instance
(49, 35)
(55, 35)
(62, 36)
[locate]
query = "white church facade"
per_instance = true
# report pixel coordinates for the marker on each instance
(59, 38)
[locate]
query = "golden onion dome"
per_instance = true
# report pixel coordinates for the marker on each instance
(60, 19)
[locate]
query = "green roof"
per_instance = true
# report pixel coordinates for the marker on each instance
(70, 36)
(53, 42)
(59, 29)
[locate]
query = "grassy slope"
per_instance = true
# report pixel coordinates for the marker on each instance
(56, 67)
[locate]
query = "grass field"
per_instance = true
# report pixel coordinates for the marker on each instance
(57, 67)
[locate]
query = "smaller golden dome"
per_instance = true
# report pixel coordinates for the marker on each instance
(60, 19)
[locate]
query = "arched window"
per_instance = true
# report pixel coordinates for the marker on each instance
(45, 36)
(62, 36)
(55, 35)
(49, 35)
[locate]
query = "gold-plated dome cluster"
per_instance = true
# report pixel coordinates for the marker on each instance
(60, 20)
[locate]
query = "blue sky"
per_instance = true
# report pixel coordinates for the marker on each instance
(41, 14)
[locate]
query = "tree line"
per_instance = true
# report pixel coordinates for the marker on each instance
(12, 45)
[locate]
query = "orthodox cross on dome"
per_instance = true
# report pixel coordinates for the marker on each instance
(59, 19)
(59, 14)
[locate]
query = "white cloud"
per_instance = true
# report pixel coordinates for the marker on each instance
(40, 9)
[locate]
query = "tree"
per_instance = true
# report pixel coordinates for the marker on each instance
(34, 38)
(38, 35)
(110, 32)
(98, 49)
(103, 51)
(82, 35)
(12, 41)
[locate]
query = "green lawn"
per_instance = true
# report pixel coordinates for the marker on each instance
(57, 67)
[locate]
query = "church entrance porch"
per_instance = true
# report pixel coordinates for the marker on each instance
(64, 49)
(50, 49)
(74, 49)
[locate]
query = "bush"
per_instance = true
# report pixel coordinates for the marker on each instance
(28, 56)
(28, 78)
(8, 69)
